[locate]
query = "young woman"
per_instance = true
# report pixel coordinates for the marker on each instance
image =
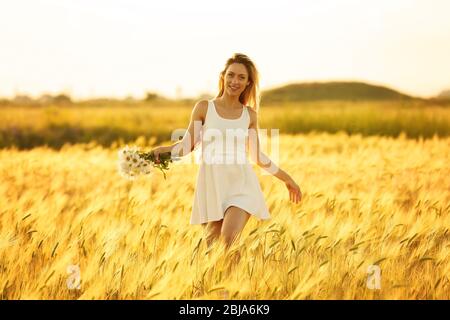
(227, 194)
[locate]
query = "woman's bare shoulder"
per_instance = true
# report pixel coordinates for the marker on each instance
(200, 109)
(252, 113)
(203, 104)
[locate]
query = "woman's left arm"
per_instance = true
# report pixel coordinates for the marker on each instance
(263, 161)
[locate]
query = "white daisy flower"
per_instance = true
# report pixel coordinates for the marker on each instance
(133, 163)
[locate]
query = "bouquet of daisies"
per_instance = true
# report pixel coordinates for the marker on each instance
(133, 163)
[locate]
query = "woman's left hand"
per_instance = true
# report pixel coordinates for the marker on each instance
(295, 195)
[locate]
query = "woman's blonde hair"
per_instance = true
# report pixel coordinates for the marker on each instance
(251, 95)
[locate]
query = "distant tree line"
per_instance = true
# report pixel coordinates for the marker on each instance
(45, 99)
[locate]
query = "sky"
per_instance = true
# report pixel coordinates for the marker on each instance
(120, 48)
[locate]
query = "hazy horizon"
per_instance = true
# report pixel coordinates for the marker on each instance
(75, 98)
(92, 49)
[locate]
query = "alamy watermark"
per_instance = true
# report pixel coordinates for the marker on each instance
(74, 279)
(374, 277)
(229, 146)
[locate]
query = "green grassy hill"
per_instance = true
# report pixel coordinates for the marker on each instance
(315, 91)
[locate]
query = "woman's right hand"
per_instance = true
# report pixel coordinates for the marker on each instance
(157, 151)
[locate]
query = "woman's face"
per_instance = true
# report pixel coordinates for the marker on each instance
(236, 79)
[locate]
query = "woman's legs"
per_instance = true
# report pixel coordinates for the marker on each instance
(212, 230)
(229, 227)
(233, 223)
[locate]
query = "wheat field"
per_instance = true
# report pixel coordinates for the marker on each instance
(72, 228)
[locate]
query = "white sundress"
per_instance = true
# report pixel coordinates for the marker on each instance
(225, 177)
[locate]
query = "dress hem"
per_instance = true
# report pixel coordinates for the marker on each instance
(223, 215)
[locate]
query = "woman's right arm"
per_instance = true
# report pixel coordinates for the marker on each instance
(191, 137)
